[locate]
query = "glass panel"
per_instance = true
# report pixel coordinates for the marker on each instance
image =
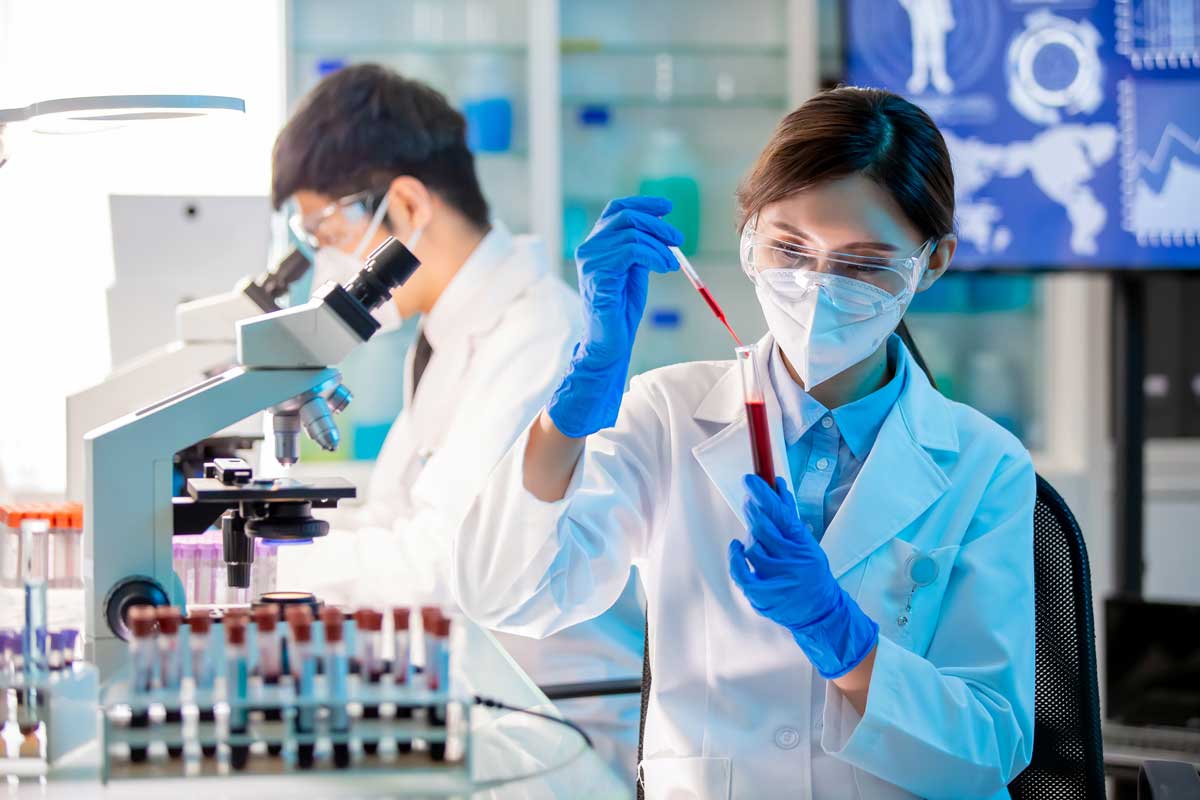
(678, 105)
(981, 336)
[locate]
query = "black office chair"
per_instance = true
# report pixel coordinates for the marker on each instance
(1068, 755)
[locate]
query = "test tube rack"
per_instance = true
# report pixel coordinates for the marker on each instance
(46, 716)
(386, 726)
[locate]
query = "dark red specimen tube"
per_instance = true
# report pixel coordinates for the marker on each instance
(756, 415)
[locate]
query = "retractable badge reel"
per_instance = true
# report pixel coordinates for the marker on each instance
(922, 571)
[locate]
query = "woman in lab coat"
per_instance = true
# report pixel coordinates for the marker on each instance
(865, 627)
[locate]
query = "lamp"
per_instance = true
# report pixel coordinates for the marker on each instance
(86, 114)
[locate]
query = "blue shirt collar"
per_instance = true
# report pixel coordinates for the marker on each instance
(858, 422)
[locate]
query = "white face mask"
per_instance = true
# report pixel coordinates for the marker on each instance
(334, 264)
(830, 324)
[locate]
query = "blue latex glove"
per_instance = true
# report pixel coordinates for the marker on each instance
(792, 585)
(629, 242)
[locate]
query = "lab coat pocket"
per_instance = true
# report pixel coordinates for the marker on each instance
(903, 589)
(694, 778)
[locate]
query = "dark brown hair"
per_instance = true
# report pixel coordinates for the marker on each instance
(364, 125)
(848, 131)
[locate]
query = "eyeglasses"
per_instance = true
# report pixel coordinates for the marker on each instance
(786, 264)
(336, 222)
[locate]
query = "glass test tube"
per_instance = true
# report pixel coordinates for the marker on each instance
(303, 658)
(401, 663)
(756, 415)
(33, 534)
(237, 685)
(368, 625)
(203, 672)
(337, 677)
(270, 660)
(142, 652)
(437, 669)
(170, 668)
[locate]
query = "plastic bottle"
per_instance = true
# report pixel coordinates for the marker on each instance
(487, 104)
(669, 169)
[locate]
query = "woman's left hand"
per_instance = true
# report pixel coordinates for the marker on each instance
(786, 577)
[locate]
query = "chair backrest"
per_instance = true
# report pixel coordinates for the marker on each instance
(1068, 758)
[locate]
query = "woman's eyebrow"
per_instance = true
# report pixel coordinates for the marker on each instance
(880, 246)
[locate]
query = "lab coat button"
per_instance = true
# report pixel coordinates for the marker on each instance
(827, 422)
(787, 738)
(823, 464)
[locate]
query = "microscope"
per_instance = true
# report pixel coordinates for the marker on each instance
(206, 345)
(283, 365)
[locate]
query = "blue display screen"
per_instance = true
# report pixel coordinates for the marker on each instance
(1074, 125)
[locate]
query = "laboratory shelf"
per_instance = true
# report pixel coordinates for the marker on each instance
(768, 101)
(571, 47)
(375, 48)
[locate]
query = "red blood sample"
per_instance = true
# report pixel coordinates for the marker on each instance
(716, 309)
(760, 441)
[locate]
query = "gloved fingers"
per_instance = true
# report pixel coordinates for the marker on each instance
(766, 532)
(615, 252)
(770, 566)
(786, 496)
(658, 206)
(630, 218)
(739, 570)
(769, 504)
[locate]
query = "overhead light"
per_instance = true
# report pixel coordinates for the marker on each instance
(87, 114)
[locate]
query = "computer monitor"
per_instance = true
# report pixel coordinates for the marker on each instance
(170, 249)
(1152, 663)
(1074, 127)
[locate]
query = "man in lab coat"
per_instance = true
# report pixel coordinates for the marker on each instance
(370, 154)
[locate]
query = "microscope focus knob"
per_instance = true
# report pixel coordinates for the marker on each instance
(136, 590)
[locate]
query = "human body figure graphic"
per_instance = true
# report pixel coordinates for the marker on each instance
(931, 21)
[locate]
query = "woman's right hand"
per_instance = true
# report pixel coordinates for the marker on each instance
(629, 242)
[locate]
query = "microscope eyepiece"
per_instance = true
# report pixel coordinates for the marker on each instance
(388, 266)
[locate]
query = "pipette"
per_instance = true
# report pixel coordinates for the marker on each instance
(694, 277)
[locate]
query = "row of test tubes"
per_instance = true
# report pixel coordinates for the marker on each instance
(199, 562)
(306, 679)
(26, 661)
(53, 535)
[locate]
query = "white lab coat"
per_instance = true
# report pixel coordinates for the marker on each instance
(736, 709)
(502, 333)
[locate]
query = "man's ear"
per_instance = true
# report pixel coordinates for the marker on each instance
(410, 203)
(939, 262)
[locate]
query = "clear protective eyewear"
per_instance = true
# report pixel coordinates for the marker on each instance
(791, 268)
(342, 220)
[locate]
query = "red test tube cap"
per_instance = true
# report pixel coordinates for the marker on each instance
(400, 618)
(331, 618)
(142, 620)
(368, 619)
(199, 621)
(265, 617)
(169, 619)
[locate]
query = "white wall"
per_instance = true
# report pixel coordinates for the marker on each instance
(55, 245)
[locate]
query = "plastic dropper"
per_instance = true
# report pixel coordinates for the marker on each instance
(694, 277)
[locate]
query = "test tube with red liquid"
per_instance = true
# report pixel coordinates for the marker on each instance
(756, 415)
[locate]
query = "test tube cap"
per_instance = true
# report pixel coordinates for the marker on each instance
(298, 614)
(235, 628)
(199, 621)
(400, 616)
(331, 618)
(442, 627)
(265, 617)
(169, 619)
(429, 617)
(142, 621)
(368, 619)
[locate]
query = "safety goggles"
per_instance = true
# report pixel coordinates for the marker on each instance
(792, 268)
(341, 221)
